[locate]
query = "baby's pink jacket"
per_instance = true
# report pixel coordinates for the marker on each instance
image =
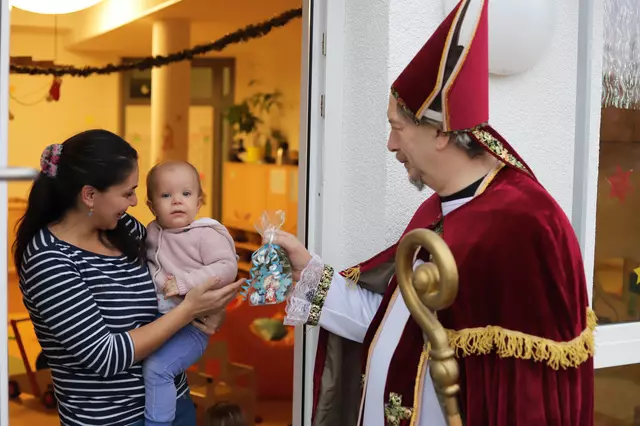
(192, 254)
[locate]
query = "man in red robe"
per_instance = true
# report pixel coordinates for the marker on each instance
(520, 325)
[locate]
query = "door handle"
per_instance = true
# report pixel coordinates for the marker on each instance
(14, 174)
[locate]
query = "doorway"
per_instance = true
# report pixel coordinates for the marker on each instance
(208, 124)
(212, 93)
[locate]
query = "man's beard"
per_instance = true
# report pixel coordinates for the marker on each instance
(417, 183)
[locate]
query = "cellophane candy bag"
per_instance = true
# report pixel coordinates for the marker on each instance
(271, 274)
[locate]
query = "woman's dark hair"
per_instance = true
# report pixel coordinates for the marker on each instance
(225, 414)
(97, 158)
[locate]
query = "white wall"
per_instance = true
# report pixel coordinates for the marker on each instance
(535, 111)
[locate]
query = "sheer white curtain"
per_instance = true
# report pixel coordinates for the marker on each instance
(621, 62)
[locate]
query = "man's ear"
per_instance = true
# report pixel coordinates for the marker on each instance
(87, 196)
(442, 139)
(150, 205)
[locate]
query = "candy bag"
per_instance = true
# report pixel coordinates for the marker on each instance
(271, 274)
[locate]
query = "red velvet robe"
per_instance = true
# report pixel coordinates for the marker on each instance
(520, 324)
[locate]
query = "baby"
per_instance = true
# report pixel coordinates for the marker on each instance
(225, 414)
(182, 253)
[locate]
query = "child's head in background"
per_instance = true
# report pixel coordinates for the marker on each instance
(225, 414)
(174, 193)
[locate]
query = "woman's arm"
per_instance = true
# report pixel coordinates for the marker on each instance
(207, 297)
(66, 306)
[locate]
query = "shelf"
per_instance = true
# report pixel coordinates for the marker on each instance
(247, 246)
(244, 266)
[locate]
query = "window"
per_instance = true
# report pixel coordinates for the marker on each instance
(616, 271)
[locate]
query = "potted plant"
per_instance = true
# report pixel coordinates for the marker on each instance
(245, 116)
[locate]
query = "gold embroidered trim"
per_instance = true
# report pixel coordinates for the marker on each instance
(514, 344)
(495, 146)
(352, 274)
(417, 390)
(422, 120)
(394, 412)
(320, 296)
(439, 228)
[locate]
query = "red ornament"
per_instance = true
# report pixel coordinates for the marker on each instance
(54, 90)
(620, 185)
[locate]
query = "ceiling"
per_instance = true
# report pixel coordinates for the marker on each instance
(210, 19)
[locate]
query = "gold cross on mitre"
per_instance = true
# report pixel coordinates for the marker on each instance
(394, 412)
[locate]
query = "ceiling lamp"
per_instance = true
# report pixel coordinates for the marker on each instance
(520, 32)
(53, 7)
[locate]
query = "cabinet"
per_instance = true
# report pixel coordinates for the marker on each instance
(250, 189)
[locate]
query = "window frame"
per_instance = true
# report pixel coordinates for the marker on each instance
(616, 344)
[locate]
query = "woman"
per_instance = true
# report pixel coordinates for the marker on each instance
(87, 288)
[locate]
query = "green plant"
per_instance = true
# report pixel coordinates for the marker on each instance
(244, 117)
(278, 136)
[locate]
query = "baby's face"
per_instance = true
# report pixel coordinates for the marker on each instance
(176, 197)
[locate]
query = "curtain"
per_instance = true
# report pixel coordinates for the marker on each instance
(621, 61)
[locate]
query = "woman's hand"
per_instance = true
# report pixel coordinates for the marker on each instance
(210, 324)
(209, 297)
(299, 256)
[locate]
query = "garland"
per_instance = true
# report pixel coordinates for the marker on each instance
(250, 32)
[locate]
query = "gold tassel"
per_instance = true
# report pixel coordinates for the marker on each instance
(514, 344)
(352, 274)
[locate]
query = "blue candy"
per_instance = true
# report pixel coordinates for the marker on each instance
(271, 276)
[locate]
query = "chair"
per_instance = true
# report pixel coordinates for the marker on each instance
(214, 378)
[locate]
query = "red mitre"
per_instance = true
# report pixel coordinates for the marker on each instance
(448, 80)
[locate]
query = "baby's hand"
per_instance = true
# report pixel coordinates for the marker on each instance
(171, 287)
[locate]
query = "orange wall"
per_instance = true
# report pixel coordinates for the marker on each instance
(94, 102)
(274, 61)
(84, 103)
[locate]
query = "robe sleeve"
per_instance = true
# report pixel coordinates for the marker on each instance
(324, 298)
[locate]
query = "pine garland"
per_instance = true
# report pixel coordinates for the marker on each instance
(250, 32)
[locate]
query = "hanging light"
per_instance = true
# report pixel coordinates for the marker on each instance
(53, 7)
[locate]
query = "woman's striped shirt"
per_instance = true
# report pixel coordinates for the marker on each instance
(82, 306)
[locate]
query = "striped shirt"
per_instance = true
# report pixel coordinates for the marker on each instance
(82, 306)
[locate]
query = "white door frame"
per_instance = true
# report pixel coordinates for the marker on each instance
(6, 174)
(320, 121)
(616, 344)
(4, 153)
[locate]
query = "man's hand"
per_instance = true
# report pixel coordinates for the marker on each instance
(170, 288)
(299, 256)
